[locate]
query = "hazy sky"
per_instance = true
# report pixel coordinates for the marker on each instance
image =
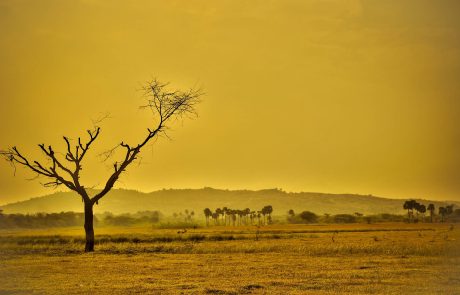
(331, 96)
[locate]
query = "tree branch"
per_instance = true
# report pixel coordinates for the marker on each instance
(165, 105)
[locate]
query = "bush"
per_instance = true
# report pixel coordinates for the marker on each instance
(304, 217)
(308, 217)
(344, 218)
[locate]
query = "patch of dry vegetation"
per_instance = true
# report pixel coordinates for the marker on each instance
(291, 259)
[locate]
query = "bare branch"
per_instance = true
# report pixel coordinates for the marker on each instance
(165, 105)
(100, 119)
(15, 157)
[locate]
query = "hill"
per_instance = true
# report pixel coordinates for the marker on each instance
(177, 200)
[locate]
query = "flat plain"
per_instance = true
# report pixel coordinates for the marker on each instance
(386, 258)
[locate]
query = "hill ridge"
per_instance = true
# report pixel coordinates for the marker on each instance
(169, 201)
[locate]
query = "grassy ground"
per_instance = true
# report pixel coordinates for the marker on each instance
(290, 259)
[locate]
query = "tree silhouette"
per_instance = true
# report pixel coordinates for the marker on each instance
(410, 206)
(219, 212)
(442, 212)
(207, 214)
(215, 217)
(267, 210)
(166, 105)
(422, 209)
(308, 217)
(225, 210)
(431, 209)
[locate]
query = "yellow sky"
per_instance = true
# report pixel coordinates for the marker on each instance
(331, 96)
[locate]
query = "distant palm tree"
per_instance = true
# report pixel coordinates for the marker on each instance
(422, 209)
(267, 210)
(252, 216)
(247, 211)
(409, 206)
(207, 214)
(240, 214)
(291, 213)
(225, 210)
(431, 209)
(219, 212)
(215, 217)
(270, 211)
(233, 216)
(442, 212)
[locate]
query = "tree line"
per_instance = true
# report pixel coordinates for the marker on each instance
(67, 219)
(306, 217)
(417, 210)
(227, 216)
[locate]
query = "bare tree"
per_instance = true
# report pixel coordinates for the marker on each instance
(166, 107)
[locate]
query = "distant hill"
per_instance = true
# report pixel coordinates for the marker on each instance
(177, 200)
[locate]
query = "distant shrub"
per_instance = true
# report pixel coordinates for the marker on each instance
(142, 217)
(122, 220)
(344, 218)
(42, 220)
(303, 217)
(308, 217)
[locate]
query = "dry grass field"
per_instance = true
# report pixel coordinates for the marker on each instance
(278, 259)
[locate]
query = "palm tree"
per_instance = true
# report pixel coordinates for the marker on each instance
(291, 213)
(431, 209)
(215, 217)
(267, 210)
(422, 209)
(270, 211)
(247, 211)
(233, 216)
(240, 214)
(409, 206)
(252, 216)
(225, 210)
(207, 214)
(442, 212)
(219, 212)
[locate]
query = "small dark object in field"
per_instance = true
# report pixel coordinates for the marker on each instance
(365, 267)
(182, 231)
(217, 291)
(333, 236)
(252, 286)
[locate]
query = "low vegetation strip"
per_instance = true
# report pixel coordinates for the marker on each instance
(241, 235)
(330, 241)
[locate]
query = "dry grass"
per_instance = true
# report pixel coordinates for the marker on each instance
(291, 259)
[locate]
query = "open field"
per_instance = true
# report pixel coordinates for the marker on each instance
(285, 259)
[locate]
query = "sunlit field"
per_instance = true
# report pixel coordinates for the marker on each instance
(278, 259)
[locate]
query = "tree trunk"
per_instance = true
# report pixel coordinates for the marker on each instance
(89, 229)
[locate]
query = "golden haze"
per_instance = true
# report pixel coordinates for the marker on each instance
(331, 96)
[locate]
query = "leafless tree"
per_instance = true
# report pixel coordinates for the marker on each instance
(166, 107)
